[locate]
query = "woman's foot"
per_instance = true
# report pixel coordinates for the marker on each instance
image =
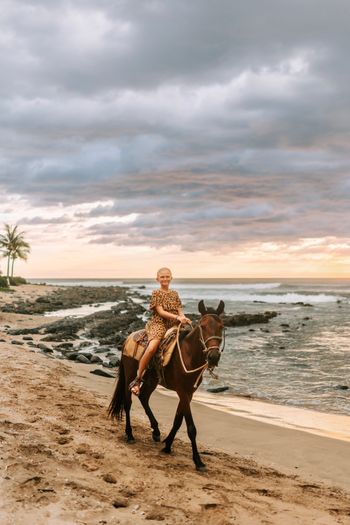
(135, 386)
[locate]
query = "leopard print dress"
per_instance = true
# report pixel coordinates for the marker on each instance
(170, 302)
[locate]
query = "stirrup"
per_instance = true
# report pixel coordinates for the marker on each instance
(136, 382)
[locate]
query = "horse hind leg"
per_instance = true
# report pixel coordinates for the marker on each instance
(127, 407)
(176, 425)
(171, 436)
(147, 389)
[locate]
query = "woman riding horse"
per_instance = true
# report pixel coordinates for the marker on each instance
(199, 350)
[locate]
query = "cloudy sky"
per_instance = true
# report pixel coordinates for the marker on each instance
(209, 136)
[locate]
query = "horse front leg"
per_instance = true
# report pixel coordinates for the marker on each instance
(184, 411)
(146, 391)
(192, 433)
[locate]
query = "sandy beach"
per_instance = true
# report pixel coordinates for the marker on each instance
(63, 461)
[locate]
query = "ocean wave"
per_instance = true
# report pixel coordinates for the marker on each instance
(228, 286)
(195, 288)
(244, 296)
(291, 298)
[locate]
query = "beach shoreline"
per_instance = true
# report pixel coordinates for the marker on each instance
(279, 473)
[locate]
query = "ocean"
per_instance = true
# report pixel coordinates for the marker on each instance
(301, 358)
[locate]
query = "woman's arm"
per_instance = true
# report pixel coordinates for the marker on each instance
(167, 315)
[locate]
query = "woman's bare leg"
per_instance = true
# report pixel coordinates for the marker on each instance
(144, 361)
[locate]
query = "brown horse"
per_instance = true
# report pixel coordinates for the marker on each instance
(199, 350)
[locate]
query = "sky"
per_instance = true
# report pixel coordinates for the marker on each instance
(211, 137)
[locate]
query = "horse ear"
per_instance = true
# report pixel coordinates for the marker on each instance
(201, 307)
(220, 308)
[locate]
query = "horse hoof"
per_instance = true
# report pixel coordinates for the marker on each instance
(201, 468)
(130, 440)
(166, 450)
(156, 437)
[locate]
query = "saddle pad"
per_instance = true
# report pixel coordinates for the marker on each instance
(134, 345)
(133, 348)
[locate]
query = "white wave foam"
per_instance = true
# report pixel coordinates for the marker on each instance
(227, 286)
(228, 293)
(291, 298)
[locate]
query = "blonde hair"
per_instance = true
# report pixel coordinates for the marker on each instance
(164, 270)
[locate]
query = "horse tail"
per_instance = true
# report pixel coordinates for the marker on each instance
(117, 404)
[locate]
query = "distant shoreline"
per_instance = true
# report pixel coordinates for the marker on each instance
(35, 280)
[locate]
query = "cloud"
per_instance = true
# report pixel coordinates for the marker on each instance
(209, 124)
(33, 221)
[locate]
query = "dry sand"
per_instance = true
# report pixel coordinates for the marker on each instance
(63, 462)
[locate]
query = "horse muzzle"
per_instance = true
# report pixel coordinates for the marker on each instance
(213, 357)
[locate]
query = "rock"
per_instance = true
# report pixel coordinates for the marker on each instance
(243, 319)
(44, 347)
(84, 344)
(44, 299)
(109, 478)
(101, 349)
(64, 346)
(27, 338)
(2, 341)
(114, 361)
(63, 440)
(96, 359)
(47, 350)
(24, 331)
(86, 354)
(82, 359)
(217, 389)
(120, 502)
(15, 342)
(285, 325)
(72, 356)
(52, 338)
(102, 373)
(342, 387)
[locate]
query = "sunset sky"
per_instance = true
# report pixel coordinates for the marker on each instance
(208, 136)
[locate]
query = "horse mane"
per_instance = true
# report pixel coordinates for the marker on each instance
(211, 310)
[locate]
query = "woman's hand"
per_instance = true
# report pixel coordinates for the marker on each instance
(183, 319)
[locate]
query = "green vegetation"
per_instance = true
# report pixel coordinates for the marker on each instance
(15, 281)
(13, 246)
(3, 282)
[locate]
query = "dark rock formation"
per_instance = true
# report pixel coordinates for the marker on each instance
(243, 319)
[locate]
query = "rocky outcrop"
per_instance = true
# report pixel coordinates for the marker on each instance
(68, 297)
(243, 319)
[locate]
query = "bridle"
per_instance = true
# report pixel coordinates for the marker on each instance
(220, 347)
(206, 349)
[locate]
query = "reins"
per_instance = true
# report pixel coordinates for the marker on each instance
(206, 349)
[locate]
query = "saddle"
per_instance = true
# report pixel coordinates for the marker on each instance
(136, 344)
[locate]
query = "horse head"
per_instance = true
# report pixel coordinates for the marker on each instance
(211, 331)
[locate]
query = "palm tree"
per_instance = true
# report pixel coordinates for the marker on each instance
(21, 251)
(13, 247)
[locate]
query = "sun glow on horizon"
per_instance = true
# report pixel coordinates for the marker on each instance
(307, 258)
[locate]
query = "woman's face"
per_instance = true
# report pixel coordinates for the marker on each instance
(164, 278)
